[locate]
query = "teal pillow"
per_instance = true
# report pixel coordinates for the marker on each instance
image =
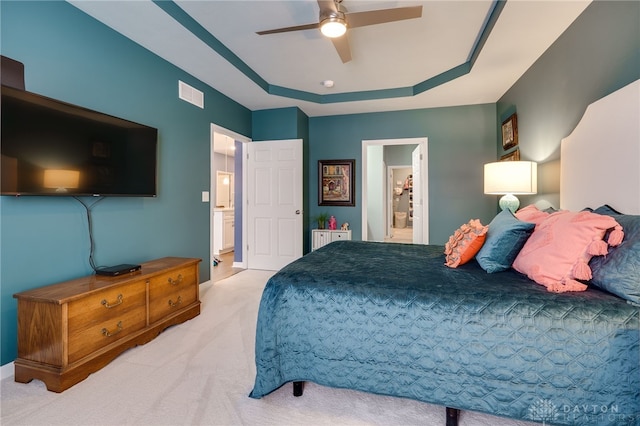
(618, 272)
(505, 238)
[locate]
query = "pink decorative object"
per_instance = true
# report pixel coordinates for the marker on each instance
(333, 223)
(465, 242)
(558, 252)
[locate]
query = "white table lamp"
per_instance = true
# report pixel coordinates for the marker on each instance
(510, 178)
(62, 180)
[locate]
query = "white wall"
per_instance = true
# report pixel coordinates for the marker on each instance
(375, 193)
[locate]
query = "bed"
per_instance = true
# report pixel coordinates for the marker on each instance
(395, 320)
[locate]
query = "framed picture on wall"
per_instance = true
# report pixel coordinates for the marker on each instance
(336, 183)
(512, 156)
(510, 132)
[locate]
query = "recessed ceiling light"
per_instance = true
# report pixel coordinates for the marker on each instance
(328, 84)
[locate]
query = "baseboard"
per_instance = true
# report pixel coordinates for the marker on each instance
(238, 265)
(6, 371)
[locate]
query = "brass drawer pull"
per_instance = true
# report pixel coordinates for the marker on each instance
(107, 333)
(173, 305)
(175, 282)
(114, 304)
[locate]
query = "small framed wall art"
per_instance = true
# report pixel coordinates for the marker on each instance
(512, 156)
(336, 183)
(510, 132)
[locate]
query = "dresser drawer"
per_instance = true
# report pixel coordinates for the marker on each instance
(340, 235)
(322, 237)
(102, 318)
(172, 292)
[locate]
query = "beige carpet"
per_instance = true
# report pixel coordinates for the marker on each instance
(400, 235)
(200, 373)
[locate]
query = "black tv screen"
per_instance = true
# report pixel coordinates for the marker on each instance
(49, 147)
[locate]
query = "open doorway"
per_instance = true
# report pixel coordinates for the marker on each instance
(226, 213)
(399, 204)
(377, 191)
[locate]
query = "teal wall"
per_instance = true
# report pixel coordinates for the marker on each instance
(461, 140)
(598, 54)
(70, 56)
(275, 124)
(303, 133)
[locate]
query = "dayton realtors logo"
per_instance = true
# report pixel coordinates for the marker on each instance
(543, 411)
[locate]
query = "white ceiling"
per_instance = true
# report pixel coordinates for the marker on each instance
(386, 56)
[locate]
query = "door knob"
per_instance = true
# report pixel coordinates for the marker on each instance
(297, 211)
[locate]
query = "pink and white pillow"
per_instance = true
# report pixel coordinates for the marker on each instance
(531, 214)
(465, 242)
(558, 252)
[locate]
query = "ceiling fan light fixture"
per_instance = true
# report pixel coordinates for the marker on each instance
(333, 26)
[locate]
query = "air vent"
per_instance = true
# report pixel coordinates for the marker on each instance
(190, 94)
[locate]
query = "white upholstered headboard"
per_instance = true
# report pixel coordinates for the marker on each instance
(600, 159)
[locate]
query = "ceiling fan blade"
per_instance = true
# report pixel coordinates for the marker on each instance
(372, 17)
(288, 29)
(342, 46)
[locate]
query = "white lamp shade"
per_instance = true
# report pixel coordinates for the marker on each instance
(511, 177)
(61, 179)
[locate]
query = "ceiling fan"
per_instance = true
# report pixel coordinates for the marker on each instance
(334, 21)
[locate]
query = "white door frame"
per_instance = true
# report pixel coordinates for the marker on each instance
(212, 197)
(425, 189)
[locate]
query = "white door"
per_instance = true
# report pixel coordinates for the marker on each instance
(274, 203)
(390, 196)
(416, 164)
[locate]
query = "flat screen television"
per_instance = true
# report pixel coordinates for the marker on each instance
(49, 147)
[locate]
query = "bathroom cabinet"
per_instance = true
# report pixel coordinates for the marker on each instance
(223, 231)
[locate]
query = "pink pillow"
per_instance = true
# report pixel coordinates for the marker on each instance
(531, 214)
(465, 243)
(558, 252)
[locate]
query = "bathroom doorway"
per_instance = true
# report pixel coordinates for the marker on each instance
(377, 215)
(226, 218)
(399, 204)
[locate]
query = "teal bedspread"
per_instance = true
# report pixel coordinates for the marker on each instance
(392, 319)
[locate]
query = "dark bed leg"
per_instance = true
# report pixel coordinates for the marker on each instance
(298, 388)
(452, 416)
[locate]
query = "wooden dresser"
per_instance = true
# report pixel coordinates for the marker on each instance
(69, 330)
